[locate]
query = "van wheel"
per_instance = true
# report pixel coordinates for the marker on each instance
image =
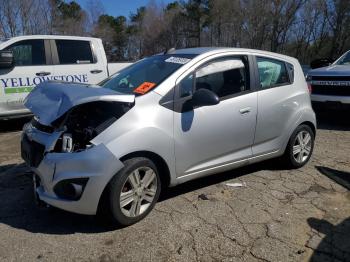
(300, 147)
(134, 191)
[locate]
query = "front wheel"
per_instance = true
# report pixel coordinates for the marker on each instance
(134, 191)
(300, 147)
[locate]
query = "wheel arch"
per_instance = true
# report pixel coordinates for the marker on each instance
(163, 169)
(309, 124)
(161, 164)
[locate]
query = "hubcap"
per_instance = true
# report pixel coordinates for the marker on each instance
(138, 191)
(302, 146)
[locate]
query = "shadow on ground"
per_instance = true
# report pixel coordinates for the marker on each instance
(18, 209)
(333, 119)
(340, 177)
(12, 125)
(219, 178)
(335, 245)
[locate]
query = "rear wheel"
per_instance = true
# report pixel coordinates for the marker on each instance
(300, 147)
(134, 191)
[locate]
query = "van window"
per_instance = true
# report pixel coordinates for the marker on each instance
(74, 52)
(28, 52)
(272, 73)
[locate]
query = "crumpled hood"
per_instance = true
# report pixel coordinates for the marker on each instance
(332, 70)
(50, 100)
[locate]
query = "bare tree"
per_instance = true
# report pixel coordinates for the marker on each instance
(255, 26)
(337, 13)
(306, 29)
(225, 23)
(94, 9)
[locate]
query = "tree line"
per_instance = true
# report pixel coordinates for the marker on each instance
(306, 29)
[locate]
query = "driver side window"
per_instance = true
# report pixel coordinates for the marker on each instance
(28, 52)
(225, 77)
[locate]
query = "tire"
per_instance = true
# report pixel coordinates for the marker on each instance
(131, 199)
(295, 159)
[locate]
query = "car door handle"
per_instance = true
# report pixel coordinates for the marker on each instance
(245, 110)
(43, 73)
(95, 71)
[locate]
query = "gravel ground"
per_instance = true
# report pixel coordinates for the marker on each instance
(280, 215)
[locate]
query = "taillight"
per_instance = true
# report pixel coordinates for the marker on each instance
(308, 81)
(309, 86)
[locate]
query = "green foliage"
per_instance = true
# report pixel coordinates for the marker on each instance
(70, 10)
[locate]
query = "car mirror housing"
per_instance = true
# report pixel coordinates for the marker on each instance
(205, 97)
(6, 59)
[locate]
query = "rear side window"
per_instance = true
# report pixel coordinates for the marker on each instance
(28, 52)
(272, 73)
(74, 52)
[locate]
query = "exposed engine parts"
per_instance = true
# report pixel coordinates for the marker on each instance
(84, 122)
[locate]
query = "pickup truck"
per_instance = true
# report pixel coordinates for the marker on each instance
(27, 61)
(330, 85)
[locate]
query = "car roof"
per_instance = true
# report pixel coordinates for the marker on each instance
(215, 50)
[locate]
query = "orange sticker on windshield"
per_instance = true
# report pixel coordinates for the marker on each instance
(144, 88)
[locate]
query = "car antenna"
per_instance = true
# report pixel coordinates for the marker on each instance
(169, 51)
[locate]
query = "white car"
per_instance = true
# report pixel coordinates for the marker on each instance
(27, 61)
(162, 121)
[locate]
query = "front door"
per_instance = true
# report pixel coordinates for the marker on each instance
(215, 138)
(32, 67)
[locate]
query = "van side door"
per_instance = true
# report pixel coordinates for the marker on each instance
(32, 65)
(77, 61)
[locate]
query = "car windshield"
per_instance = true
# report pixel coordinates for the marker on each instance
(344, 60)
(146, 74)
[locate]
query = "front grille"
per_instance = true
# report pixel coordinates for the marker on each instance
(331, 78)
(331, 90)
(31, 151)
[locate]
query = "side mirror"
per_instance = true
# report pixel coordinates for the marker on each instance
(6, 59)
(204, 97)
(322, 62)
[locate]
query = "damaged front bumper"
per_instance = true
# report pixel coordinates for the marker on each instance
(86, 172)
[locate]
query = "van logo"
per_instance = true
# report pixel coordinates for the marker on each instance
(26, 84)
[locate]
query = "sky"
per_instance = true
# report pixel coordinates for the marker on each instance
(122, 7)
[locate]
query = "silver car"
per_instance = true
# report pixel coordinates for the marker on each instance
(162, 121)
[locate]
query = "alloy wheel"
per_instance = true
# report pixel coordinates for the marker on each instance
(138, 191)
(302, 146)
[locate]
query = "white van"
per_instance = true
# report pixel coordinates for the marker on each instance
(27, 61)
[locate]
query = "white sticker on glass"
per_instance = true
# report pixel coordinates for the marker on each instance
(177, 60)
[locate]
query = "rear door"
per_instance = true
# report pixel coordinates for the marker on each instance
(32, 66)
(76, 61)
(277, 104)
